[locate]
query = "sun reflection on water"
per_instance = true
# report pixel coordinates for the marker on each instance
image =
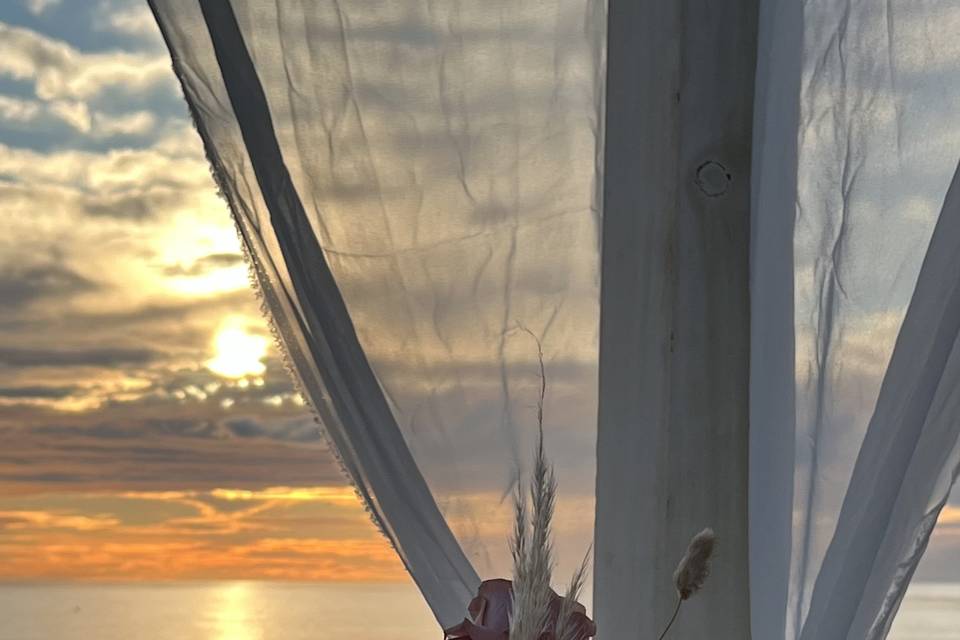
(233, 613)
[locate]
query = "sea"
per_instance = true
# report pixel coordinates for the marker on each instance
(296, 611)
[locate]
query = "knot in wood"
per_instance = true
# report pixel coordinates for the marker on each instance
(713, 179)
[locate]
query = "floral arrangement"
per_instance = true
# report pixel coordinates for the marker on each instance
(527, 608)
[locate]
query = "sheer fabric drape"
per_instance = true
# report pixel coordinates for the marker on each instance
(426, 195)
(855, 146)
(415, 184)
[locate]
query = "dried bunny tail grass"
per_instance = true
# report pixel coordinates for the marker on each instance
(565, 630)
(693, 570)
(694, 567)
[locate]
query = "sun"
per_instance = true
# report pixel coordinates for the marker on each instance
(237, 353)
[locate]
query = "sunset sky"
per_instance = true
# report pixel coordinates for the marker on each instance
(148, 428)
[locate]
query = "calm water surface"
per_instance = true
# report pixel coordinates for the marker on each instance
(930, 611)
(281, 611)
(214, 611)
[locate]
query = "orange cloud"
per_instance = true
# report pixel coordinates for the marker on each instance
(310, 559)
(338, 495)
(950, 515)
(282, 533)
(33, 519)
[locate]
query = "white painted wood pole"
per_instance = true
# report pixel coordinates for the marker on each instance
(675, 317)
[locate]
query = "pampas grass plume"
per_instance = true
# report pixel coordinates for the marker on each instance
(532, 555)
(532, 550)
(566, 630)
(531, 545)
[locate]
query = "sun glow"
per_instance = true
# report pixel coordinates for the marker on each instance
(216, 281)
(237, 353)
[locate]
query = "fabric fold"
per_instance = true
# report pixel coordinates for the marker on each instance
(907, 460)
(356, 414)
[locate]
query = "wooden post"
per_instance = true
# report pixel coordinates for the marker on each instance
(675, 317)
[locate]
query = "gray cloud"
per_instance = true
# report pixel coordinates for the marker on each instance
(205, 264)
(132, 430)
(104, 357)
(125, 206)
(139, 204)
(31, 392)
(298, 430)
(161, 454)
(20, 285)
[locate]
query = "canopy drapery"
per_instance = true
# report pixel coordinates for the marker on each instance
(763, 188)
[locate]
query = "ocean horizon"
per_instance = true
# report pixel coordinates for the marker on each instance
(253, 610)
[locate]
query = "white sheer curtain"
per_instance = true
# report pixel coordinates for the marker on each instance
(853, 440)
(416, 186)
